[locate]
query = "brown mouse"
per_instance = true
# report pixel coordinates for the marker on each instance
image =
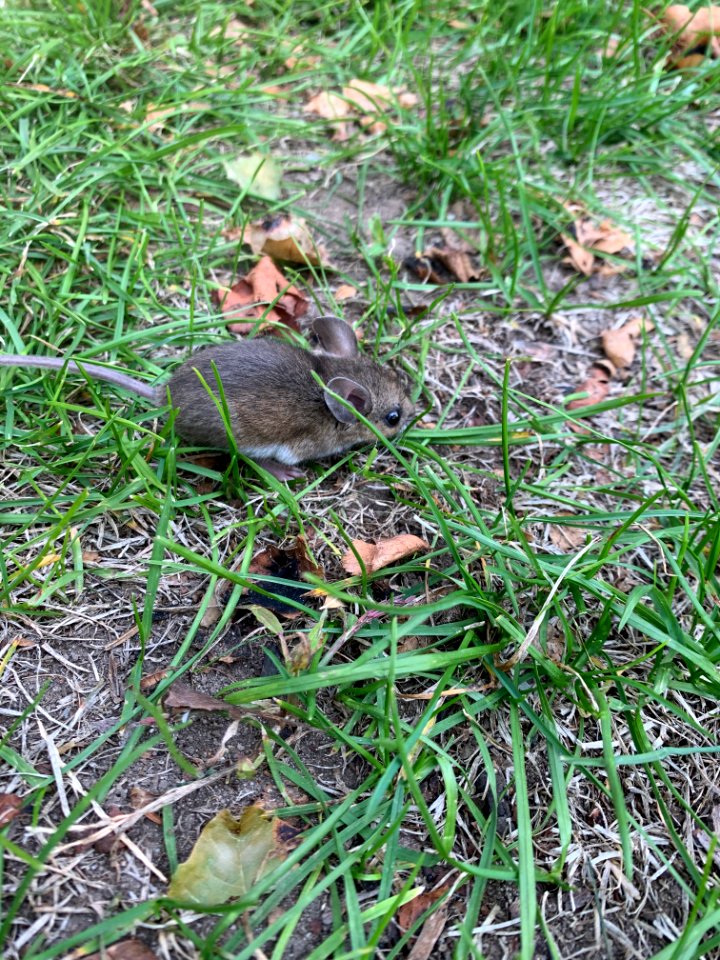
(280, 415)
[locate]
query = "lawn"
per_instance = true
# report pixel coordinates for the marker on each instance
(500, 743)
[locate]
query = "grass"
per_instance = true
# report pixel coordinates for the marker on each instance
(525, 717)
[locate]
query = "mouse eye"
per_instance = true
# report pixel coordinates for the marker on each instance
(392, 419)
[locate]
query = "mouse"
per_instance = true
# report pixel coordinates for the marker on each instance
(280, 415)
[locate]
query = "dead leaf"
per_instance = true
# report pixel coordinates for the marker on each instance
(213, 612)
(567, 538)
(359, 97)
(619, 345)
(257, 174)
(183, 696)
(10, 807)
(331, 106)
(596, 385)
(283, 237)
(247, 300)
(140, 798)
(409, 912)
(683, 346)
(459, 262)
(124, 950)
(344, 292)
(303, 61)
(151, 680)
(695, 34)
(587, 237)
(230, 856)
(580, 258)
(377, 556)
(292, 563)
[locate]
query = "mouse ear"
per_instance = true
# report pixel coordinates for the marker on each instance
(334, 336)
(357, 396)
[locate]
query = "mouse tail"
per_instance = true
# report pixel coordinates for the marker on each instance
(124, 380)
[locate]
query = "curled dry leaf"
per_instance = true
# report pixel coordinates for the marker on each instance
(448, 262)
(586, 237)
(230, 856)
(10, 807)
(377, 556)
(291, 563)
(596, 385)
(410, 911)
(284, 238)
(247, 300)
(140, 798)
(695, 34)
(183, 696)
(372, 100)
(331, 106)
(619, 345)
(150, 680)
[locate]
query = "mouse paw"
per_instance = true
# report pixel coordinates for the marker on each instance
(280, 470)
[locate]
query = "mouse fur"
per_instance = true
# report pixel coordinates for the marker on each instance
(280, 415)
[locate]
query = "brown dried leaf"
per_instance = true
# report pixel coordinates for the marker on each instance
(344, 292)
(10, 807)
(284, 238)
(291, 563)
(611, 239)
(124, 950)
(683, 346)
(248, 299)
(587, 237)
(331, 106)
(359, 96)
(596, 385)
(410, 911)
(183, 696)
(458, 262)
(156, 117)
(140, 798)
(694, 34)
(151, 680)
(567, 538)
(619, 345)
(580, 258)
(377, 556)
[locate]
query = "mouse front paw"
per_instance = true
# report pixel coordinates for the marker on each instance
(280, 470)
